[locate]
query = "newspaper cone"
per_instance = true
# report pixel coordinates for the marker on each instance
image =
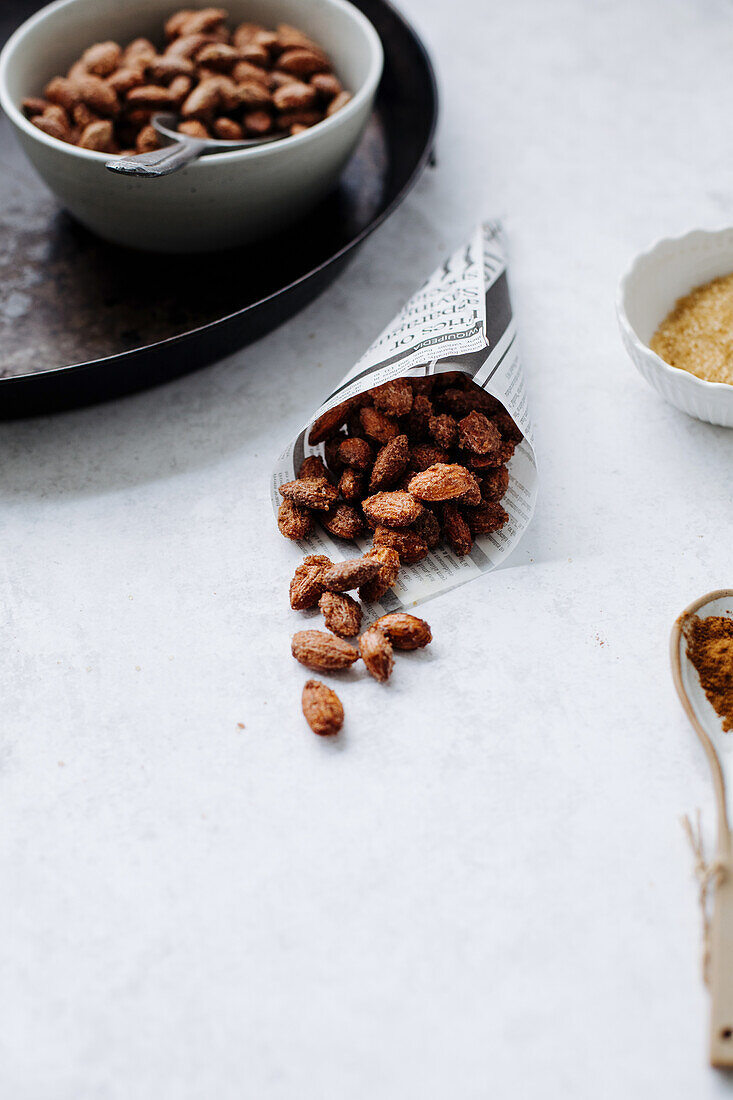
(461, 319)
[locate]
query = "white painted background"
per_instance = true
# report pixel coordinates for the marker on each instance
(482, 890)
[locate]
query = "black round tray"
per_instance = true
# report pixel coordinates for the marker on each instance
(83, 321)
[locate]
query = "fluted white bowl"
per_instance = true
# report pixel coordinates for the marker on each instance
(667, 271)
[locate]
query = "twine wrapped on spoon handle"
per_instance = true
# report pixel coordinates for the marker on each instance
(708, 875)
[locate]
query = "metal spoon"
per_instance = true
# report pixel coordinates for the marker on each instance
(718, 748)
(181, 151)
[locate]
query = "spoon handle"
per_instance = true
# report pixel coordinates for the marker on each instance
(721, 960)
(159, 162)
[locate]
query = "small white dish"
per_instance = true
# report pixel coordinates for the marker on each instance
(220, 201)
(657, 278)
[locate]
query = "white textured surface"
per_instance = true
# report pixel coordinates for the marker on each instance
(482, 889)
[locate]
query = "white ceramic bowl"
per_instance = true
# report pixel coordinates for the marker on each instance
(221, 200)
(667, 271)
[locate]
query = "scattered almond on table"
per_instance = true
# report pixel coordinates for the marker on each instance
(224, 84)
(420, 463)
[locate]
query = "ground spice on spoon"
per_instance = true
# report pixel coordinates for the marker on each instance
(710, 648)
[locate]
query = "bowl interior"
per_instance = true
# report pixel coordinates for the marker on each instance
(53, 39)
(669, 271)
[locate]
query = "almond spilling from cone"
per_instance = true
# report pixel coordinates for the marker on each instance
(420, 463)
(322, 708)
(225, 83)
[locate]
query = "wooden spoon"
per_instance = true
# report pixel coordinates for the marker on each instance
(719, 751)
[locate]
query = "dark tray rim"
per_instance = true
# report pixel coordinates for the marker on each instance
(340, 255)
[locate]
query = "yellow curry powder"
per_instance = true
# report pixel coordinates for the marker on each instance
(710, 648)
(697, 336)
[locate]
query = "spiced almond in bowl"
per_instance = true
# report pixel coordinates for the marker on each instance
(227, 84)
(673, 308)
(219, 201)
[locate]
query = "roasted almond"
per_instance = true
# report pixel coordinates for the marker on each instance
(425, 455)
(343, 521)
(218, 55)
(472, 497)
(52, 127)
(203, 21)
(337, 103)
(321, 651)
(305, 587)
(286, 120)
(326, 84)
(174, 24)
(409, 545)
(229, 96)
(351, 486)
(313, 466)
(347, 575)
(293, 522)
(56, 114)
(328, 423)
(376, 652)
(443, 481)
(256, 123)
(33, 105)
(193, 128)
(322, 708)
(418, 420)
(124, 79)
(102, 59)
(294, 96)
(226, 129)
(389, 567)
(81, 115)
(138, 52)
(495, 483)
(428, 528)
(289, 37)
(302, 61)
(163, 69)
(203, 100)
(97, 94)
(356, 453)
(377, 425)
(478, 434)
(456, 530)
(331, 453)
(394, 398)
(255, 53)
(98, 135)
(310, 492)
(147, 140)
(390, 464)
(149, 95)
(405, 631)
(506, 426)
(187, 45)
(395, 509)
(341, 614)
(487, 518)
(62, 91)
(244, 72)
(246, 32)
(179, 88)
(253, 94)
(443, 430)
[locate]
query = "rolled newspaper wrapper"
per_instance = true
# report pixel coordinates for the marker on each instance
(460, 320)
